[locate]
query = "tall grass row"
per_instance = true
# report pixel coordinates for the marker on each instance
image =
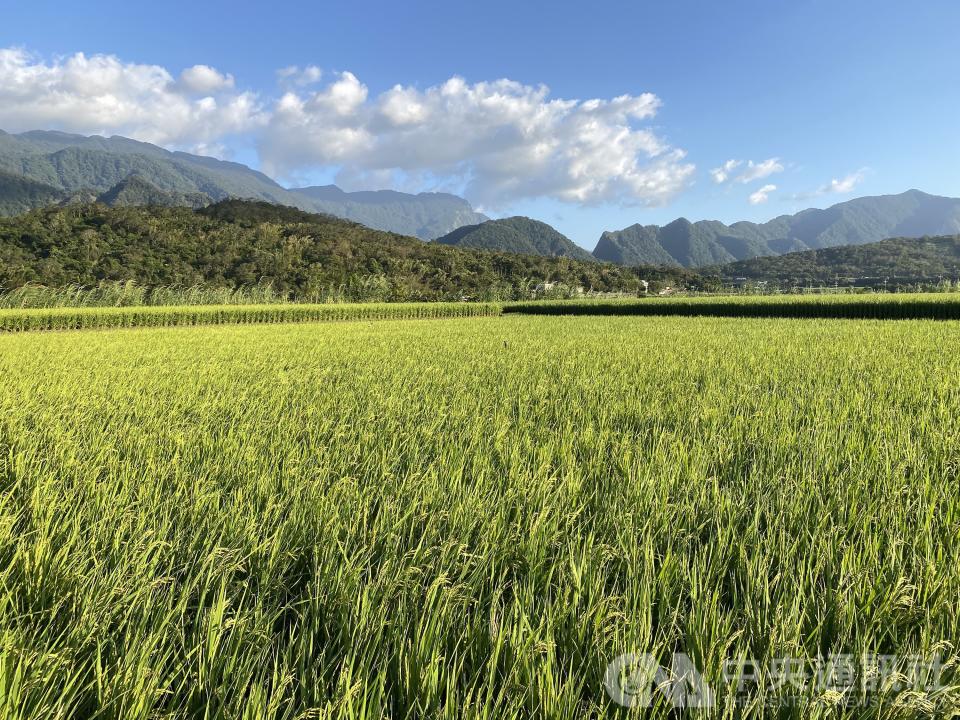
(127, 317)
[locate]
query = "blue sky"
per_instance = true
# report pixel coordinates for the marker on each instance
(839, 99)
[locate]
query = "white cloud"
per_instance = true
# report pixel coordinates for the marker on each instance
(344, 97)
(761, 195)
(203, 80)
(758, 171)
(497, 142)
(722, 173)
(837, 186)
(294, 76)
(846, 184)
(500, 140)
(403, 106)
(754, 171)
(100, 94)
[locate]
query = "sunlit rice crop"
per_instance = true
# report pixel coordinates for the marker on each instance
(470, 518)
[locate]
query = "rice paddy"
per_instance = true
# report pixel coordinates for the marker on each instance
(473, 517)
(901, 306)
(879, 306)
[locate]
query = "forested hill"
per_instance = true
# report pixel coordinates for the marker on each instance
(903, 260)
(519, 235)
(234, 243)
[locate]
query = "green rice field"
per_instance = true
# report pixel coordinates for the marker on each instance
(473, 517)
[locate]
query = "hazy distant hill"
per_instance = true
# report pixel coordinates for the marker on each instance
(426, 215)
(864, 220)
(65, 164)
(903, 259)
(19, 194)
(516, 235)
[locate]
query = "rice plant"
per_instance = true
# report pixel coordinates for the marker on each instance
(472, 518)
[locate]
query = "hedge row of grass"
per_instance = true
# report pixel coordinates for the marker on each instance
(121, 317)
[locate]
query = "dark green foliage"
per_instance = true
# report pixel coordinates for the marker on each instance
(249, 213)
(516, 235)
(241, 243)
(864, 220)
(897, 261)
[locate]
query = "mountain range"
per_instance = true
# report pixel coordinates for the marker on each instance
(709, 242)
(41, 168)
(44, 168)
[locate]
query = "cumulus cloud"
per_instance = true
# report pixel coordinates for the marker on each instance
(762, 195)
(500, 140)
(752, 172)
(203, 80)
(722, 173)
(100, 94)
(496, 142)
